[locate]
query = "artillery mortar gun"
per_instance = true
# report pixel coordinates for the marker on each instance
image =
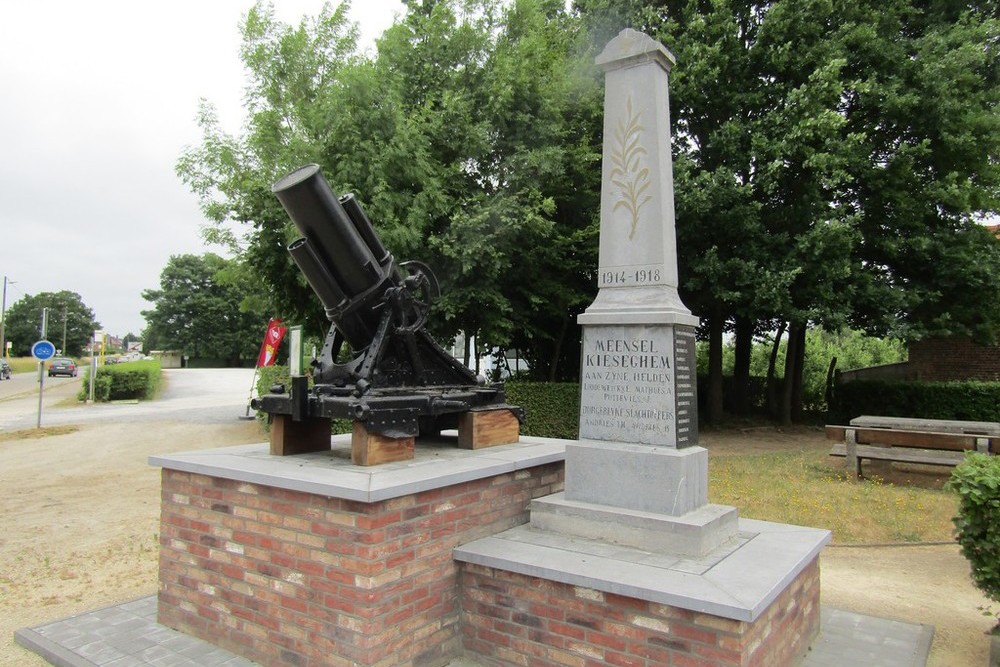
(392, 379)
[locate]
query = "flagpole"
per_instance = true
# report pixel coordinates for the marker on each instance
(253, 384)
(273, 336)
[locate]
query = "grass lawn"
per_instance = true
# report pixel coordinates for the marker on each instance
(808, 488)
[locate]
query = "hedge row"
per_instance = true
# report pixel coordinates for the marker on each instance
(131, 380)
(552, 408)
(971, 401)
(268, 376)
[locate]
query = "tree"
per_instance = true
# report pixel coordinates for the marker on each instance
(471, 140)
(24, 320)
(831, 157)
(197, 310)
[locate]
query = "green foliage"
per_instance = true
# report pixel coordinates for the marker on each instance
(977, 527)
(472, 139)
(831, 160)
(552, 409)
(269, 376)
(852, 349)
(131, 380)
(23, 320)
(197, 310)
(971, 401)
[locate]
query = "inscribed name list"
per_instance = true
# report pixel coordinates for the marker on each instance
(628, 392)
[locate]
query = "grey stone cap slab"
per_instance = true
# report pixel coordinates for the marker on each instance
(705, 516)
(632, 47)
(737, 581)
(436, 464)
(694, 534)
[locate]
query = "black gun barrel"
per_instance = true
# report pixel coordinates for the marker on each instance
(340, 254)
(365, 228)
(355, 329)
(316, 211)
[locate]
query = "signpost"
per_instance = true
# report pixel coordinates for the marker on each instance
(43, 350)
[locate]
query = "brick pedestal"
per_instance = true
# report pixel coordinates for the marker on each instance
(286, 577)
(311, 561)
(512, 619)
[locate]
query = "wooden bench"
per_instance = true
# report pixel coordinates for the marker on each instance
(923, 441)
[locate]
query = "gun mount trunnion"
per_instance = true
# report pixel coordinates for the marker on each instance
(392, 379)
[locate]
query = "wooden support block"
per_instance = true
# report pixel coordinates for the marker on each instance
(487, 428)
(298, 437)
(369, 449)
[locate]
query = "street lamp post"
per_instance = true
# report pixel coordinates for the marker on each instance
(3, 313)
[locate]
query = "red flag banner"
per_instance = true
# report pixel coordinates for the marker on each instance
(272, 341)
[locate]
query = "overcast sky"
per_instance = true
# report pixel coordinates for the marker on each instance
(97, 101)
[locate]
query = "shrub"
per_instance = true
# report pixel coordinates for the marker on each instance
(552, 409)
(971, 401)
(132, 380)
(268, 376)
(977, 526)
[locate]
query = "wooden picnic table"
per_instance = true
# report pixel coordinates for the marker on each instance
(908, 440)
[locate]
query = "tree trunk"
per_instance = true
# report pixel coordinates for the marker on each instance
(800, 365)
(740, 400)
(772, 384)
(831, 378)
(787, 389)
(557, 352)
(467, 347)
(713, 406)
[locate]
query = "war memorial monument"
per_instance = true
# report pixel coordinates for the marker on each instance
(367, 550)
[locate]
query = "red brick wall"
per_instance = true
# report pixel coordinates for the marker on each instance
(518, 620)
(288, 578)
(938, 359)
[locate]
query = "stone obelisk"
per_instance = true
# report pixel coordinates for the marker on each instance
(638, 447)
(634, 519)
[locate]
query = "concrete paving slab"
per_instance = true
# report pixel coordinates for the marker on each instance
(845, 638)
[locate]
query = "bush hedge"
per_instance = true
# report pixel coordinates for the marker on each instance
(977, 526)
(131, 380)
(552, 409)
(268, 376)
(972, 401)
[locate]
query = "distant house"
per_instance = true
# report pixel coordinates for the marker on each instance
(169, 358)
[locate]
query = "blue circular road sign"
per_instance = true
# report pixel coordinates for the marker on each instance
(43, 350)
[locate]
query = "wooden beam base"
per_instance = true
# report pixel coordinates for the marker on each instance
(290, 437)
(487, 428)
(369, 449)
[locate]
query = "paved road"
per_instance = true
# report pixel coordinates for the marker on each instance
(206, 396)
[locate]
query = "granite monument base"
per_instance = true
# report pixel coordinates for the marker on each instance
(639, 477)
(693, 534)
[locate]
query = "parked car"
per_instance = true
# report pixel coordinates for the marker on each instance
(62, 366)
(4, 370)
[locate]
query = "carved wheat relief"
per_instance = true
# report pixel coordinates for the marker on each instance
(628, 171)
